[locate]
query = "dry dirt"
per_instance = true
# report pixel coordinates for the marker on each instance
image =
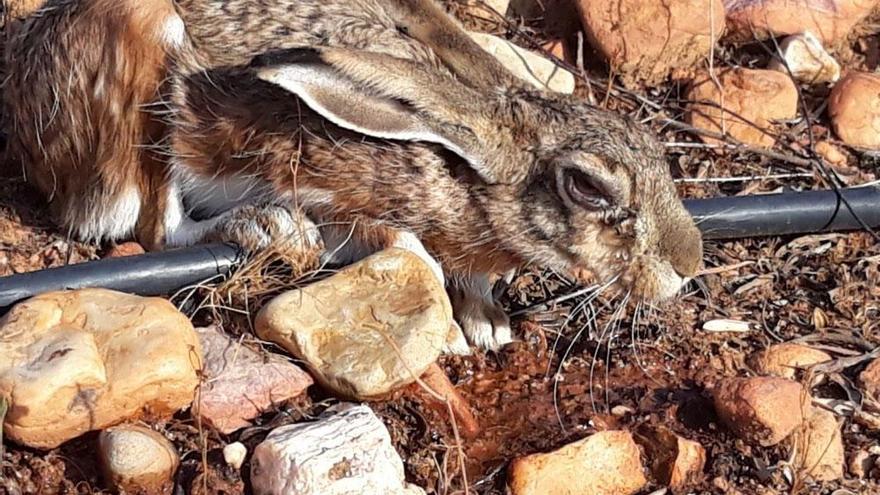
(655, 362)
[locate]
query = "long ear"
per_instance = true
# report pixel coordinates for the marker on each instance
(425, 21)
(390, 98)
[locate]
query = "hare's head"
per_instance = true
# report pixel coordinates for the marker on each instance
(561, 183)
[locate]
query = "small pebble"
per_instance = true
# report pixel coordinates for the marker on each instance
(234, 454)
(136, 459)
(860, 463)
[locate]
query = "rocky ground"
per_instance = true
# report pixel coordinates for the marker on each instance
(762, 378)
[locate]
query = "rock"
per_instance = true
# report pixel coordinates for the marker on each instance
(135, 459)
(675, 461)
(762, 410)
(125, 249)
(869, 379)
(835, 157)
(807, 60)
(829, 20)
(370, 329)
(240, 383)
(854, 107)
(758, 96)
(819, 445)
(558, 49)
(234, 454)
(527, 65)
(786, 359)
(860, 463)
(646, 40)
(23, 8)
(347, 451)
(621, 411)
(606, 463)
(479, 7)
(436, 380)
(75, 361)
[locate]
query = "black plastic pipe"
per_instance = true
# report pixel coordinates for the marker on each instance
(789, 213)
(718, 218)
(148, 274)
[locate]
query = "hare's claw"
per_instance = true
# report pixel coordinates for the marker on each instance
(485, 324)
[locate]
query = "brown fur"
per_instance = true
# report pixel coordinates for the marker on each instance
(500, 212)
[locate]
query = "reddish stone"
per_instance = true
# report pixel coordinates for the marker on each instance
(240, 383)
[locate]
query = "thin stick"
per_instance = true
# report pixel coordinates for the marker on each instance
(556, 300)
(431, 392)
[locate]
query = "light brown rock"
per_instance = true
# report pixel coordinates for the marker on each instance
(869, 379)
(137, 460)
(370, 329)
(23, 8)
(240, 383)
(806, 59)
(675, 461)
(829, 20)
(834, 156)
(607, 463)
(125, 249)
(854, 107)
(752, 100)
(484, 8)
(76, 361)
(786, 359)
(763, 410)
(529, 66)
(646, 40)
(819, 445)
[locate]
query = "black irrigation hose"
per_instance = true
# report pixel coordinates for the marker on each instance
(718, 218)
(148, 274)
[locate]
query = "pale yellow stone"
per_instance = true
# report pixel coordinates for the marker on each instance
(527, 65)
(75, 361)
(370, 329)
(607, 463)
(786, 359)
(807, 60)
(136, 459)
(819, 445)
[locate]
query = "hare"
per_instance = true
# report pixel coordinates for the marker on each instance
(378, 120)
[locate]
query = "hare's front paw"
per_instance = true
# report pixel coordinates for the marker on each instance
(255, 227)
(483, 321)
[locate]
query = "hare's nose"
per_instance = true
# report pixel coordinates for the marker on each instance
(683, 248)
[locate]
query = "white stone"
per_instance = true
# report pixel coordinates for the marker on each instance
(136, 459)
(527, 65)
(234, 454)
(807, 60)
(346, 452)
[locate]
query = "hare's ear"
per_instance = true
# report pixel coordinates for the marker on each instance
(385, 97)
(339, 100)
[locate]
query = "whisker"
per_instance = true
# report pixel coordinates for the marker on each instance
(600, 339)
(615, 332)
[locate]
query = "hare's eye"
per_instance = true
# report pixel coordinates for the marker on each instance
(585, 191)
